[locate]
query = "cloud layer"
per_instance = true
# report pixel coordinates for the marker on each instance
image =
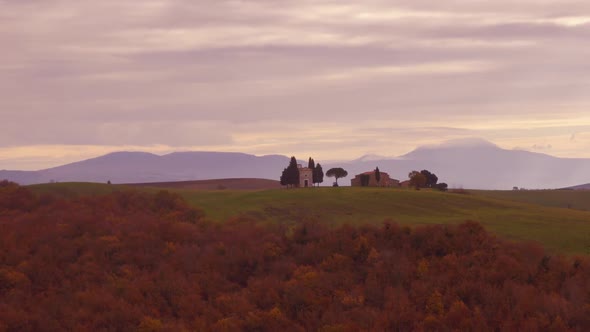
(336, 79)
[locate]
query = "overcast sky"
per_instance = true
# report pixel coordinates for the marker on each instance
(331, 79)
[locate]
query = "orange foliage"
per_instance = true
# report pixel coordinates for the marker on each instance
(132, 261)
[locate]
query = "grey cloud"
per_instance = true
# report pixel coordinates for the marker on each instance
(416, 132)
(543, 8)
(137, 133)
(513, 31)
(143, 71)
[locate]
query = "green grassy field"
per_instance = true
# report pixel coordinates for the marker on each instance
(569, 199)
(511, 217)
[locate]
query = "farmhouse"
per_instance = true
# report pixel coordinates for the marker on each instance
(371, 180)
(405, 184)
(305, 176)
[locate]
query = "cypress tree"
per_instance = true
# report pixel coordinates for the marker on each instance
(284, 178)
(293, 173)
(318, 174)
(311, 165)
(377, 175)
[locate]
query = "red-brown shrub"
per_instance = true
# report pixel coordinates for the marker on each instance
(132, 261)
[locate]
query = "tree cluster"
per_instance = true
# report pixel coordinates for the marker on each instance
(426, 179)
(417, 180)
(291, 177)
(431, 178)
(132, 261)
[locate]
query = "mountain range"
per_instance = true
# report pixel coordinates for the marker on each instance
(580, 187)
(142, 167)
(475, 164)
(478, 164)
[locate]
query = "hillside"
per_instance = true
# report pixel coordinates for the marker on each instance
(215, 184)
(567, 199)
(559, 229)
(136, 261)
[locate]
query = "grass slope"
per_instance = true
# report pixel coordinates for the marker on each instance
(569, 199)
(558, 229)
(217, 184)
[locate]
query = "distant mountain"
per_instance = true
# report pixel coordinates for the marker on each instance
(141, 167)
(370, 157)
(479, 164)
(580, 187)
(471, 163)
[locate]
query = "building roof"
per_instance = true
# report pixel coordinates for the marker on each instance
(300, 167)
(371, 172)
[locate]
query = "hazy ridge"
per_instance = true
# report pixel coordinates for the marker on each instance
(465, 163)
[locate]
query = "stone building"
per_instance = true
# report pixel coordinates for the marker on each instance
(384, 181)
(305, 176)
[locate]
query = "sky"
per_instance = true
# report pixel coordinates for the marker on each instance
(329, 79)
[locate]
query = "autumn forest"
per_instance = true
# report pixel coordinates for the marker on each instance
(137, 261)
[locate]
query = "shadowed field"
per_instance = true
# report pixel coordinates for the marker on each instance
(515, 218)
(216, 184)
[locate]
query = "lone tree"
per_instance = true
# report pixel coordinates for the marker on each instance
(417, 179)
(377, 175)
(431, 179)
(336, 173)
(318, 174)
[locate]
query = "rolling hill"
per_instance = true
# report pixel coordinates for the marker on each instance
(527, 218)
